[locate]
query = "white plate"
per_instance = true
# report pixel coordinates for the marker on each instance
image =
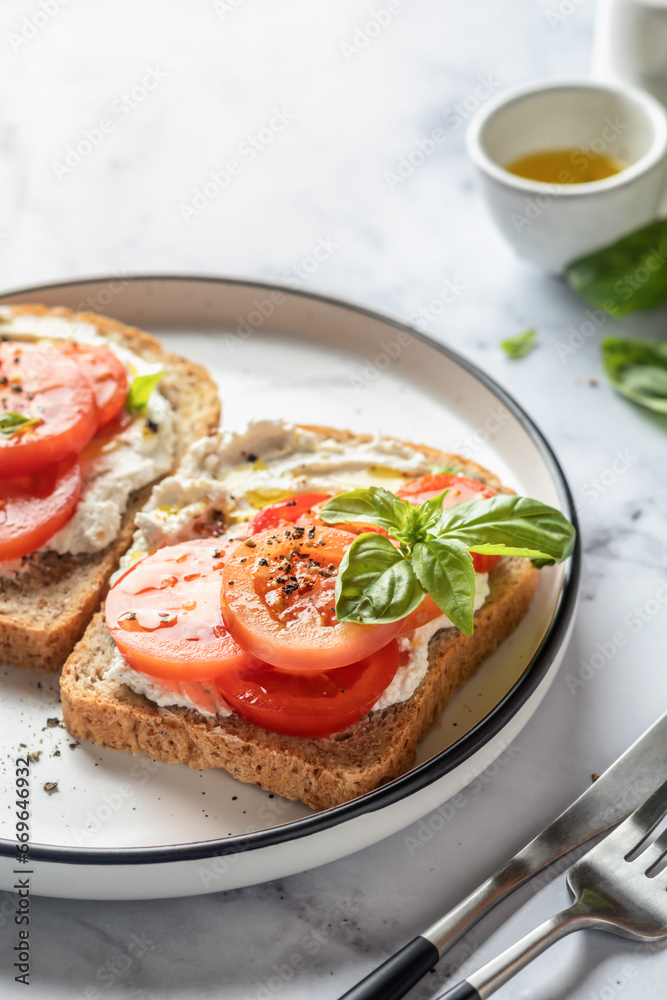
(125, 827)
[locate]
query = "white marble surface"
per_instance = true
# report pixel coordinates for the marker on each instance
(350, 117)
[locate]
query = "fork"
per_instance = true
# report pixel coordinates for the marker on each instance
(616, 888)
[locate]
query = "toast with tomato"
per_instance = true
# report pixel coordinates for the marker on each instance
(306, 644)
(77, 463)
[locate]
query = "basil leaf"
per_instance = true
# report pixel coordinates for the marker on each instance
(373, 506)
(140, 390)
(522, 344)
(445, 570)
(449, 470)
(11, 423)
(431, 511)
(509, 525)
(628, 275)
(638, 370)
(375, 583)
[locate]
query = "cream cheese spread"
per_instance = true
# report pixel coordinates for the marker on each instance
(232, 475)
(236, 474)
(133, 458)
(198, 696)
(409, 675)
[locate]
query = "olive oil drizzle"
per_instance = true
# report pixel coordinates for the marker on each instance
(566, 166)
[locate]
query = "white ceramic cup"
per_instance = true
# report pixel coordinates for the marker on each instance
(553, 224)
(630, 44)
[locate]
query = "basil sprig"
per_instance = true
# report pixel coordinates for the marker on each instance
(140, 390)
(12, 423)
(379, 582)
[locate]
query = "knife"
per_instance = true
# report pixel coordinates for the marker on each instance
(610, 799)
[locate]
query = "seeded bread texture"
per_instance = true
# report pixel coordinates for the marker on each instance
(45, 609)
(321, 772)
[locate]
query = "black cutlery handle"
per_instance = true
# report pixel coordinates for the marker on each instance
(393, 979)
(462, 991)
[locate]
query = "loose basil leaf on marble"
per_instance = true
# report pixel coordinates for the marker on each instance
(375, 583)
(446, 571)
(12, 423)
(628, 275)
(140, 390)
(509, 525)
(522, 344)
(371, 506)
(638, 370)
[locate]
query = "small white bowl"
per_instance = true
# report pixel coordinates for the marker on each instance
(553, 224)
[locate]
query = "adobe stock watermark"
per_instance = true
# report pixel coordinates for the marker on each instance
(119, 969)
(596, 486)
(451, 290)
(374, 367)
(105, 296)
(269, 814)
(614, 983)
(265, 305)
(595, 320)
(425, 830)
(579, 160)
(297, 274)
(623, 290)
(283, 972)
(32, 24)
(121, 108)
(564, 10)
(495, 417)
(392, 350)
(422, 149)
(247, 151)
(113, 802)
(225, 7)
(635, 620)
(367, 32)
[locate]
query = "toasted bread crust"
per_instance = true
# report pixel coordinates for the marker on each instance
(45, 610)
(321, 772)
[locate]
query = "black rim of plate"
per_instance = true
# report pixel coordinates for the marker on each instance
(432, 769)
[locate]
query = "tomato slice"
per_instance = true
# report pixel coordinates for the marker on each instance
(354, 527)
(285, 511)
(422, 615)
(106, 374)
(164, 613)
(460, 488)
(303, 509)
(33, 508)
(426, 487)
(278, 601)
(310, 705)
(43, 384)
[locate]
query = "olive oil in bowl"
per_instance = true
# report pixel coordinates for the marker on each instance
(566, 166)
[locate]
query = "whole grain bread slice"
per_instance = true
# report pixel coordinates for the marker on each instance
(44, 610)
(321, 772)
